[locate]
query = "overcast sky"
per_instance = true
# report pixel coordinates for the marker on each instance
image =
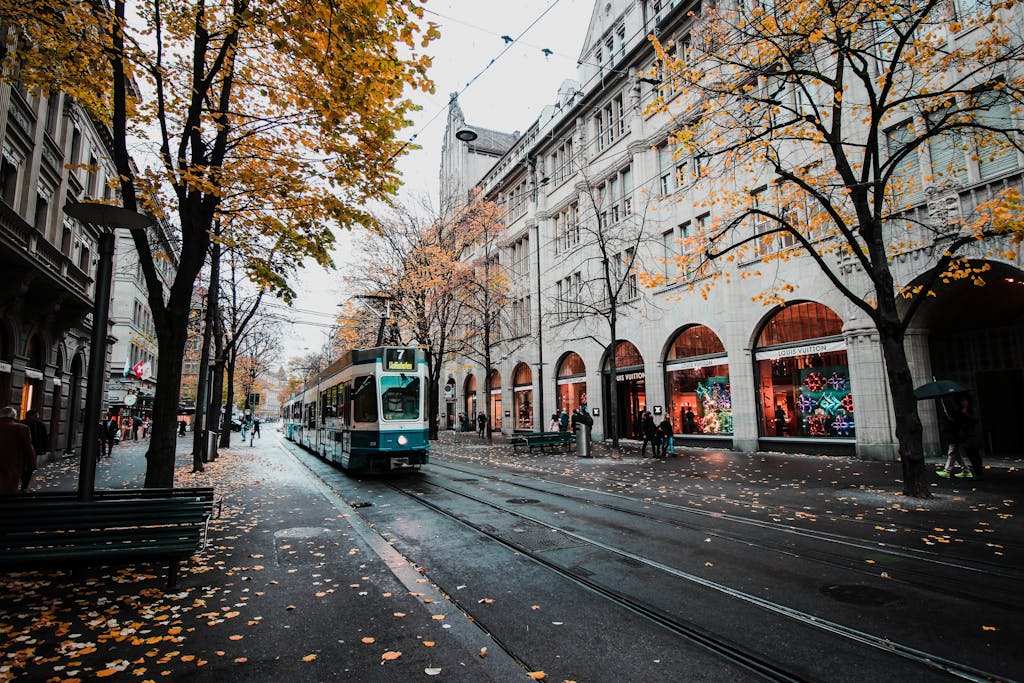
(508, 95)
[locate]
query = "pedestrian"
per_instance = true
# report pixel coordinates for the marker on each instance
(649, 431)
(481, 424)
(689, 421)
(563, 421)
(181, 428)
(780, 421)
(246, 426)
(256, 427)
(668, 446)
(40, 437)
(555, 425)
(973, 440)
(108, 435)
(136, 427)
(17, 457)
(954, 428)
(147, 425)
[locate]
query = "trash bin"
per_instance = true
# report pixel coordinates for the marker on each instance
(582, 441)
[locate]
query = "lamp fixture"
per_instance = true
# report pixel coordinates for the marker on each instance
(466, 134)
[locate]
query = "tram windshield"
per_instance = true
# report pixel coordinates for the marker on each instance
(400, 397)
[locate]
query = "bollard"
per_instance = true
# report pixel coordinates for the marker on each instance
(582, 442)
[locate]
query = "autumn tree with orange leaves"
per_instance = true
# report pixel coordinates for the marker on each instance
(419, 261)
(834, 109)
(285, 112)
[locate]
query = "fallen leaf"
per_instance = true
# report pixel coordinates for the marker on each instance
(428, 643)
(537, 675)
(485, 601)
(388, 656)
(105, 672)
(534, 607)
(309, 658)
(399, 614)
(234, 637)
(483, 652)
(437, 617)
(241, 660)
(988, 628)
(431, 672)
(369, 640)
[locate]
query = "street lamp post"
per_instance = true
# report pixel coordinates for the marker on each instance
(105, 218)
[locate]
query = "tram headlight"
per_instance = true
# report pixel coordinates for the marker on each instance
(402, 440)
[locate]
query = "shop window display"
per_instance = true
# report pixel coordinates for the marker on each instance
(571, 383)
(697, 383)
(522, 388)
(804, 382)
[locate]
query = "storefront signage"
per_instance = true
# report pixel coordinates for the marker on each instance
(694, 364)
(578, 379)
(827, 347)
(628, 376)
(5, 367)
(33, 374)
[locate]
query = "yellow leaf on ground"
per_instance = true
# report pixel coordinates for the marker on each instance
(399, 614)
(234, 637)
(388, 656)
(988, 628)
(428, 643)
(437, 617)
(537, 675)
(369, 640)
(241, 660)
(105, 672)
(309, 658)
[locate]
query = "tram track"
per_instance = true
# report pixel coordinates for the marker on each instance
(722, 647)
(924, 579)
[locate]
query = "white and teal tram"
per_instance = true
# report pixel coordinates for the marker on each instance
(366, 411)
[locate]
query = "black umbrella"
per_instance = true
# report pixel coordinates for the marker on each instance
(939, 388)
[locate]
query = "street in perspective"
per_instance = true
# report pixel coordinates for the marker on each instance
(584, 341)
(488, 564)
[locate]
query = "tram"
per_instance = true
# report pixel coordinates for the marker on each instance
(365, 412)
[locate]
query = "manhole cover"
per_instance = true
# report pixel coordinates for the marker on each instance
(522, 501)
(362, 504)
(861, 595)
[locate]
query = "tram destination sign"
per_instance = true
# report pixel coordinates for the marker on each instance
(398, 360)
(805, 350)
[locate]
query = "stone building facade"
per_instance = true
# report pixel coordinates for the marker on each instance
(729, 371)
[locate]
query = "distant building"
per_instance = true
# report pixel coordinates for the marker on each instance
(48, 260)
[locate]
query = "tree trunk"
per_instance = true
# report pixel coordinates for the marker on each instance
(613, 383)
(229, 400)
(908, 422)
(217, 390)
(433, 390)
(164, 440)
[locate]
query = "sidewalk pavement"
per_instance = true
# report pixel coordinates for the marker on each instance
(292, 585)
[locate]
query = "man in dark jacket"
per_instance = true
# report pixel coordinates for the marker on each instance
(108, 433)
(40, 437)
(650, 432)
(17, 457)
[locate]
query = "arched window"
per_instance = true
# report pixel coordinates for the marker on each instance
(495, 400)
(631, 390)
(697, 387)
(803, 378)
(522, 389)
(571, 383)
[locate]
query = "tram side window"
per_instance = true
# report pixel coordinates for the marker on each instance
(400, 397)
(311, 415)
(331, 402)
(364, 400)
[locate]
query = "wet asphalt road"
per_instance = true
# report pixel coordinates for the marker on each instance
(487, 565)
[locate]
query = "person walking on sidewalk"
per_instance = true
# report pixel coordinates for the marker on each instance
(481, 424)
(17, 457)
(668, 446)
(40, 437)
(650, 432)
(108, 433)
(256, 427)
(958, 424)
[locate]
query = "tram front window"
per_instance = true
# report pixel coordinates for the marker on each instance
(400, 397)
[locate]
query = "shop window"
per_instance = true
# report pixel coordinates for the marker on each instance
(571, 383)
(697, 387)
(522, 389)
(803, 376)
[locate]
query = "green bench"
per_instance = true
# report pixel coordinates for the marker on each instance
(55, 530)
(545, 441)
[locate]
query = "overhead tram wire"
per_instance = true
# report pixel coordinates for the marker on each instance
(470, 82)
